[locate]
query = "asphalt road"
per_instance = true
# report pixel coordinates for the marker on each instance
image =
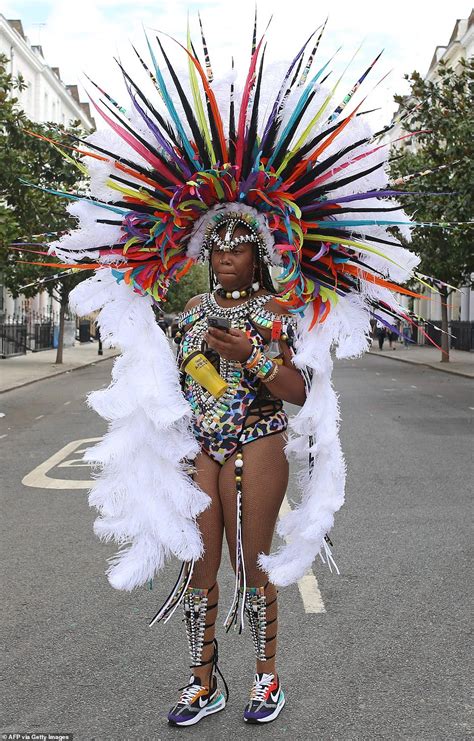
(388, 659)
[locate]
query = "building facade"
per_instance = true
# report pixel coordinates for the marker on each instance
(46, 98)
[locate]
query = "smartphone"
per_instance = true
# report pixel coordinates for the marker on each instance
(219, 322)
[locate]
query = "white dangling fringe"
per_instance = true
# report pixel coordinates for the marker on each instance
(176, 595)
(329, 556)
(236, 612)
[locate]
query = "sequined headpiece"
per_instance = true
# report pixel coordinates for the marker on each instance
(206, 234)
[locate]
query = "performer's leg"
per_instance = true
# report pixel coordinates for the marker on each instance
(204, 580)
(264, 482)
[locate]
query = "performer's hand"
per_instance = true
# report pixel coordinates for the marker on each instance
(231, 345)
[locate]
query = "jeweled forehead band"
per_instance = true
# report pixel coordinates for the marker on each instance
(228, 242)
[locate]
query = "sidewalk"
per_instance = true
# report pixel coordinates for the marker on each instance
(36, 366)
(461, 363)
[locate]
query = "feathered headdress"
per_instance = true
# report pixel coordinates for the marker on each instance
(311, 181)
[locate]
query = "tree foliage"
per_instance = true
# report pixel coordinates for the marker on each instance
(196, 281)
(26, 212)
(445, 109)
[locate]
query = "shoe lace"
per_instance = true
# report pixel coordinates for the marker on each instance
(260, 686)
(189, 692)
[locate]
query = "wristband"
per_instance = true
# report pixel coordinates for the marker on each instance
(272, 374)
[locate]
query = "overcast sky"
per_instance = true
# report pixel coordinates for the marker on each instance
(86, 41)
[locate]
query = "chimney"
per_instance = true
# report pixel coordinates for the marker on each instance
(56, 72)
(74, 92)
(18, 27)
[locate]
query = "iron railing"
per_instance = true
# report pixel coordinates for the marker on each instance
(13, 336)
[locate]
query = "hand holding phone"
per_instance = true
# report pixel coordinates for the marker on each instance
(219, 322)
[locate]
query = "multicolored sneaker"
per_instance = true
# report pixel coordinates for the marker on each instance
(195, 702)
(266, 699)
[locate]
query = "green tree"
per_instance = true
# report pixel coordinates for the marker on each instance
(445, 109)
(196, 281)
(26, 211)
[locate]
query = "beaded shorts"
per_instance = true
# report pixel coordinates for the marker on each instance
(220, 445)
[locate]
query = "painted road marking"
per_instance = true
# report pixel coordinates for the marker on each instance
(308, 584)
(39, 479)
(66, 403)
(5, 435)
(40, 416)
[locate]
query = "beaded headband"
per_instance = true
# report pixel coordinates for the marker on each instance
(206, 233)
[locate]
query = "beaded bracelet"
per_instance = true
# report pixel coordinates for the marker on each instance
(272, 374)
(265, 368)
(252, 358)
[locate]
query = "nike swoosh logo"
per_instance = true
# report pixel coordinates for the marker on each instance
(275, 695)
(203, 702)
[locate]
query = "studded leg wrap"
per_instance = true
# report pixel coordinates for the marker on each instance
(195, 609)
(256, 612)
(256, 609)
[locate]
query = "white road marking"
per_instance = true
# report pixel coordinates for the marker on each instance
(413, 387)
(40, 416)
(308, 584)
(3, 436)
(472, 408)
(2, 414)
(66, 403)
(39, 479)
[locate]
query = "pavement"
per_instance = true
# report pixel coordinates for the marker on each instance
(460, 363)
(25, 369)
(378, 653)
(22, 370)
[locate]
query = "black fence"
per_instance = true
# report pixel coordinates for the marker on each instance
(34, 331)
(13, 337)
(463, 338)
(43, 334)
(462, 334)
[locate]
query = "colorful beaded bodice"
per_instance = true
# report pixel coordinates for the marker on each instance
(229, 411)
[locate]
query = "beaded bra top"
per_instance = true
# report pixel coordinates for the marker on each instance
(243, 386)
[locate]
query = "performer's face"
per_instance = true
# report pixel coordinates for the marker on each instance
(234, 268)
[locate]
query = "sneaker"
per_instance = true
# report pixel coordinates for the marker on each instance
(195, 702)
(266, 699)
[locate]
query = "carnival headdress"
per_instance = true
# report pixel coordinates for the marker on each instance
(309, 181)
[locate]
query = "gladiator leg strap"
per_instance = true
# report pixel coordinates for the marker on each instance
(195, 604)
(255, 603)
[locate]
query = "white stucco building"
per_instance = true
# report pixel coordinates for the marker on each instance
(46, 98)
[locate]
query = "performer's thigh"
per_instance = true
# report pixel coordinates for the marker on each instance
(210, 522)
(264, 483)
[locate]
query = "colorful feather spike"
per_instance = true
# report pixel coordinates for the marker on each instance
(318, 184)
